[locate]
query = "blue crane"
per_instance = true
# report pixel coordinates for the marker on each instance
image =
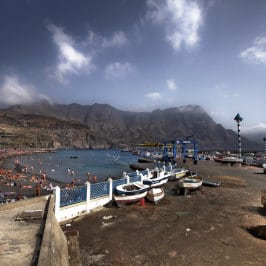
(172, 145)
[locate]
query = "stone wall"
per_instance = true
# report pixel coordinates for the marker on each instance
(54, 249)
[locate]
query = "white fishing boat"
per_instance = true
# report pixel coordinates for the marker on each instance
(177, 173)
(157, 177)
(130, 193)
(187, 184)
(131, 188)
(228, 159)
(123, 199)
(155, 194)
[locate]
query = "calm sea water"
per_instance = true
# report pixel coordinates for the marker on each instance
(102, 163)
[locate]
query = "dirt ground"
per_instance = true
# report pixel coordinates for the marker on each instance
(206, 227)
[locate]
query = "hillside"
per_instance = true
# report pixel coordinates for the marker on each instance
(98, 125)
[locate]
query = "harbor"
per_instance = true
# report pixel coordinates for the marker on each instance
(210, 226)
(132, 133)
(222, 220)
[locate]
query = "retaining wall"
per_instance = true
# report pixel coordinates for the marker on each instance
(54, 250)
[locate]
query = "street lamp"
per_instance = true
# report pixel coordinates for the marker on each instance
(238, 119)
(264, 139)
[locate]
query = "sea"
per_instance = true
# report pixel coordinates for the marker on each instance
(64, 165)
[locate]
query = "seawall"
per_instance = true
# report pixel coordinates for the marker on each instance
(54, 249)
(31, 235)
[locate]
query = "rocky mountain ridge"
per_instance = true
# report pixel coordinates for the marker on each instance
(101, 125)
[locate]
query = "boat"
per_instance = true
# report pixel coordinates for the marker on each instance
(155, 194)
(131, 188)
(123, 199)
(231, 159)
(264, 168)
(156, 177)
(211, 183)
(177, 173)
(130, 193)
(228, 159)
(187, 184)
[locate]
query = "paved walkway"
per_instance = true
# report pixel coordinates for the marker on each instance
(20, 239)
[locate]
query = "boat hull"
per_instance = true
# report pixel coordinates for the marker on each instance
(188, 184)
(155, 195)
(177, 174)
(124, 200)
(131, 188)
(156, 182)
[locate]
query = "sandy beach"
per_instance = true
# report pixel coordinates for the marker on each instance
(19, 183)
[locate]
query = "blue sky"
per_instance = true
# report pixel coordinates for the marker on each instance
(137, 55)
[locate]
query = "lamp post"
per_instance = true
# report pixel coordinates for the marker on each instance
(264, 139)
(238, 119)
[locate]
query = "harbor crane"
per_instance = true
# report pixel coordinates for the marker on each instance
(173, 144)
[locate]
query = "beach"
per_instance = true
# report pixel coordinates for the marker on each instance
(25, 174)
(210, 226)
(18, 183)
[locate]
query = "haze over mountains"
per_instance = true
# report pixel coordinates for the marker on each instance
(101, 125)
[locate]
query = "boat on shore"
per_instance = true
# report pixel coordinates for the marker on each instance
(187, 184)
(177, 173)
(157, 177)
(131, 188)
(124, 200)
(211, 183)
(155, 194)
(228, 159)
(130, 193)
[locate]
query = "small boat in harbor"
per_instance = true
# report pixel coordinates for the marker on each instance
(157, 177)
(131, 188)
(211, 183)
(187, 184)
(155, 194)
(123, 199)
(130, 193)
(228, 159)
(177, 173)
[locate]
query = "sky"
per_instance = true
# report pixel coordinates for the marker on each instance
(137, 55)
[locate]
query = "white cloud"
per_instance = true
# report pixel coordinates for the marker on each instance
(117, 70)
(118, 39)
(171, 85)
(254, 129)
(225, 91)
(257, 52)
(182, 20)
(71, 61)
(153, 96)
(15, 92)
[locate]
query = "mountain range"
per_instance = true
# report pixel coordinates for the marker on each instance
(103, 126)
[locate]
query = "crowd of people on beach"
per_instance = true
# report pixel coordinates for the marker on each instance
(23, 182)
(16, 186)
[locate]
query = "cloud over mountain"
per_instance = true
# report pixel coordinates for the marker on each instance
(13, 91)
